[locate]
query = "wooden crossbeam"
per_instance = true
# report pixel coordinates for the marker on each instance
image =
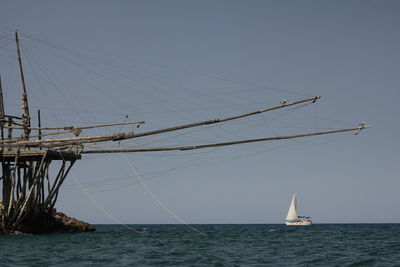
(154, 149)
(58, 142)
(35, 155)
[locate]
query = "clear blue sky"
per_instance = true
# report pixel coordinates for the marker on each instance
(173, 62)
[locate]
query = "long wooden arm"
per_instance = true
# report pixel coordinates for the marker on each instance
(57, 142)
(154, 149)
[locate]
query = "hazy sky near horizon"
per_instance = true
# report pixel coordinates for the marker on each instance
(174, 62)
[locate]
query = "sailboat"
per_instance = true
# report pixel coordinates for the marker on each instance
(292, 218)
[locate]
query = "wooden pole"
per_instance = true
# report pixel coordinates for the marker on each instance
(80, 128)
(3, 164)
(39, 127)
(219, 144)
(2, 114)
(11, 205)
(32, 185)
(26, 120)
(9, 133)
(208, 122)
(129, 135)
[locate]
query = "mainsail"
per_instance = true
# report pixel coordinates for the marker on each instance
(292, 213)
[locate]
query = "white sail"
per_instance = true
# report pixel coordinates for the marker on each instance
(292, 213)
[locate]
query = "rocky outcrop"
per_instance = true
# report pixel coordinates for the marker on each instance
(64, 223)
(45, 222)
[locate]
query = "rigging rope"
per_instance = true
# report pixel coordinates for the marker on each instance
(157, 199)
(103, 210)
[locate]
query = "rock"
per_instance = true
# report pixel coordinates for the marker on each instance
(45, 222)
(64, 223)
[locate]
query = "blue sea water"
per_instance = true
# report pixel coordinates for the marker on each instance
(224, 245)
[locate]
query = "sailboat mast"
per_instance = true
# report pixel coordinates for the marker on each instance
(26, 120)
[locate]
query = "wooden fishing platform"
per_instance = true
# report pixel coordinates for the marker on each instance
(37, 155)
(30, 189)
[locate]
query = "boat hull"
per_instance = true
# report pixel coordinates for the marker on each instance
(299, 223)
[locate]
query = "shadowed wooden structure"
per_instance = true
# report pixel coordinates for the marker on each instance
(30, 185)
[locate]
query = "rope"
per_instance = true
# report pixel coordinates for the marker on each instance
(103, 210)
(157, 199)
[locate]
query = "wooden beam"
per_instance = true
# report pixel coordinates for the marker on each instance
(36, 155)
(70, 128)
(130, 135)
(2, 114)
(154, 149)
(208, 122)
(26, 119)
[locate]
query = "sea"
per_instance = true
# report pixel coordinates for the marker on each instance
(222, 245)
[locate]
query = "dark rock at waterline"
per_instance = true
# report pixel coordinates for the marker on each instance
(46, 222)
(68, 224)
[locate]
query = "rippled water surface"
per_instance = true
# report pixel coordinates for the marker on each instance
(224, 245)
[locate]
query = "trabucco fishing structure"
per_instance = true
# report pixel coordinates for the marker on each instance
(28, 190)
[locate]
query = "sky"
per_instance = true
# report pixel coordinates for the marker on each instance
(175, 62)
